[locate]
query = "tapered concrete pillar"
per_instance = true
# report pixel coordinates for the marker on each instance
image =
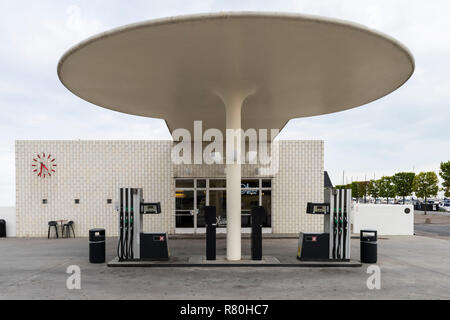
(233, 114)
(233, 100)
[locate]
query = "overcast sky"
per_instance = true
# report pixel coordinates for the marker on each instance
(409, 129)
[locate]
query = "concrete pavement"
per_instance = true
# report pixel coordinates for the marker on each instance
(411, 268)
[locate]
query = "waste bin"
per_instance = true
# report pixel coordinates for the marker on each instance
(97, 246)
(369, 244)
(2, 229)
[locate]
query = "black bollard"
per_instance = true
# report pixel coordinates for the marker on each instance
(211, 224)
(258, 213)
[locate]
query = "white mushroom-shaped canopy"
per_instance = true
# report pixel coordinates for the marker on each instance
(293, 66)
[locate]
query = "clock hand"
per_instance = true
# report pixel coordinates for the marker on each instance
(44, 167)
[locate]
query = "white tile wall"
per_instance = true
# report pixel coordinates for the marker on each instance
(93, 171)
(300, 180)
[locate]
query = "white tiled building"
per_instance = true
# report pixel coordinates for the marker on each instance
(87, 175)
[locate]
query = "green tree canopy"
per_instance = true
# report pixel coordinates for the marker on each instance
(387, 188)
(343, 187)
(355, 190)
(404, 183)
(445, 175)
(373, 190)
(426, 185)
(363, 188)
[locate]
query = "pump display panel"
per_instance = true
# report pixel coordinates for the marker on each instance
(151, 208)
(318, 208)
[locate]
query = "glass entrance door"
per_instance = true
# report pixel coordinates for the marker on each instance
(201, 201)
(190, 202)
(185, 209)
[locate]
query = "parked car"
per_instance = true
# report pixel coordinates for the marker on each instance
(445, 205)
(429, 206)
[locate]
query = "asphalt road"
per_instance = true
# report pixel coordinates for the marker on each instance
(441, 230)
(434, 224)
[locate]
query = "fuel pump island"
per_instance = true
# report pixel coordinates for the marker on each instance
(333, 245)
(136, 245)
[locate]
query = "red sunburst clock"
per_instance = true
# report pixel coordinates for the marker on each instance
(44, 165)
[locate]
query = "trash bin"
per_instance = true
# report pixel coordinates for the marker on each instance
(369, 244)
(97, 246)
(2, 229)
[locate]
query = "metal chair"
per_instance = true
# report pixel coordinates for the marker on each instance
(50, 225)
(67, 227)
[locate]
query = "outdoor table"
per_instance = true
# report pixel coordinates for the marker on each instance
(61, 223)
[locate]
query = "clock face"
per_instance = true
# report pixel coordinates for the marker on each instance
(44, 165)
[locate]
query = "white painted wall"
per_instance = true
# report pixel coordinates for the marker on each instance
(388, 220)
(9, 215)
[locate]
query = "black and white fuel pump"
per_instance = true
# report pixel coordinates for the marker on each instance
(334, 243)
(134, 244)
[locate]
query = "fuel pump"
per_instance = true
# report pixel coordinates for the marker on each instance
(134, 244)
(334, 243)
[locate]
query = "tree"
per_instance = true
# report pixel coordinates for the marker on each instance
(363, 188)
(426, 185)
(404, 184)
(445, 175)
(373, 190)
(387, 188)
(355, 193)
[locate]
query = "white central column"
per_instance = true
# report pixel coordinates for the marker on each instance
(233, 114)
(233, 99)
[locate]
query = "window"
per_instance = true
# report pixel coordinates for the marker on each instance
(44, 201)
(201, 183)
(191, 196)
(218, 199)
(249, 199)
(253, 183)
(184, 208)
(267, 183)
(109, 201)
(214, 183)
(77, 201)
(266, 202)
(184, 183)
(256, 192)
